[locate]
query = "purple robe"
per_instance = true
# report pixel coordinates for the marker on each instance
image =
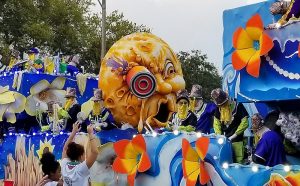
(270, 148)
(72, 70)
(205, 117)
(295, 10)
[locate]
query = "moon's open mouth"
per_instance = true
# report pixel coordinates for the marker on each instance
(165, 108)
(163, 113)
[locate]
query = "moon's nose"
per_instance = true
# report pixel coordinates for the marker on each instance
(162, 86)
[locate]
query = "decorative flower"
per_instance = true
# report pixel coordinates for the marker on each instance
(299, 50)
(45, 146)
(43, 92)
(193, 161)
(293, 178)
(250, 44)
(10, 103)
(131, 157)
(279, 180)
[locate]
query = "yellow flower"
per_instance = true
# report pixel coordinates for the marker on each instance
(250, 44)
(132, 157)
(45, 146)
(291, 179)
(43, 92)
(193, 161)
(10, 103)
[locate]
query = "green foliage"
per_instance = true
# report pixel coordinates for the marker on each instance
(117, 26)
(196, 70)
(60, 25)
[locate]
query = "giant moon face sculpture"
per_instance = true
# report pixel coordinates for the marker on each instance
(139, 77)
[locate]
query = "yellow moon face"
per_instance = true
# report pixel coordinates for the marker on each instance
(142, 50)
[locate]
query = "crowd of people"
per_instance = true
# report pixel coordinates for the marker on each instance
(37, 61)
(223, 116)
(74, 169)
(60, 117)
(229, 118)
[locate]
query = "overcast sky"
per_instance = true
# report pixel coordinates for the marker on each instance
(183, 24)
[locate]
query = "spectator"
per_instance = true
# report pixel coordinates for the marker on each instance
(75, 167)
(52, 169)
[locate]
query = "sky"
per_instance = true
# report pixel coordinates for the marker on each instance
(184, 24)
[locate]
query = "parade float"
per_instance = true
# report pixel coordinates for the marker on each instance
(139, 78)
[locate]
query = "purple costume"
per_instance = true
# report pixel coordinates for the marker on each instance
(295, 10)
(72, 70)
(205, 116)
(270, 148)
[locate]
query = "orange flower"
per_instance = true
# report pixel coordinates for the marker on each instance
(278, 180)
(131, 157)
(299, 50)
(250, 44)
(193, 161)
(293, 178)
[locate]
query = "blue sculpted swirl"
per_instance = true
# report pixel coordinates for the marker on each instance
(166, 155)
(229, 80)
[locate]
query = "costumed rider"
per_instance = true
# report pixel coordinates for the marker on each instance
(289, 9)
(14, 61)
(35, 64)
(2, 66)
(231, 120)
(72, 67)
(269, 150)
(183, 118)
(203, 111)
(54, 119)
(97, 114)
(72, 107)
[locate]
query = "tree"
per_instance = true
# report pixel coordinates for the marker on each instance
(60, 25)
(197, 70)
(57, 24)
(117, 26)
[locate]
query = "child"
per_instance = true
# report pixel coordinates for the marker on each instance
(75, 165)
(52, 169)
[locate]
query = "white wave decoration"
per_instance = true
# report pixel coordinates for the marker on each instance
(283, 35)
(229, 75)
(166, 155)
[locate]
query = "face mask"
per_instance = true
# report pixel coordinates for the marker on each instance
(31, 57)
(256, 138)
(225, 113)
(69, 102)
(192, 105)
(12, 61)
(97, 108)
(182, 111)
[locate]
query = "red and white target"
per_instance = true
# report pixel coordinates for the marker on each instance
(141, 82)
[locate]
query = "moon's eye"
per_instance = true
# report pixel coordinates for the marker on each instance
(169, 69)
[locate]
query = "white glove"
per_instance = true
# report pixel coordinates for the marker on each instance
(103, 124)
(126, 126)
(232, 137)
